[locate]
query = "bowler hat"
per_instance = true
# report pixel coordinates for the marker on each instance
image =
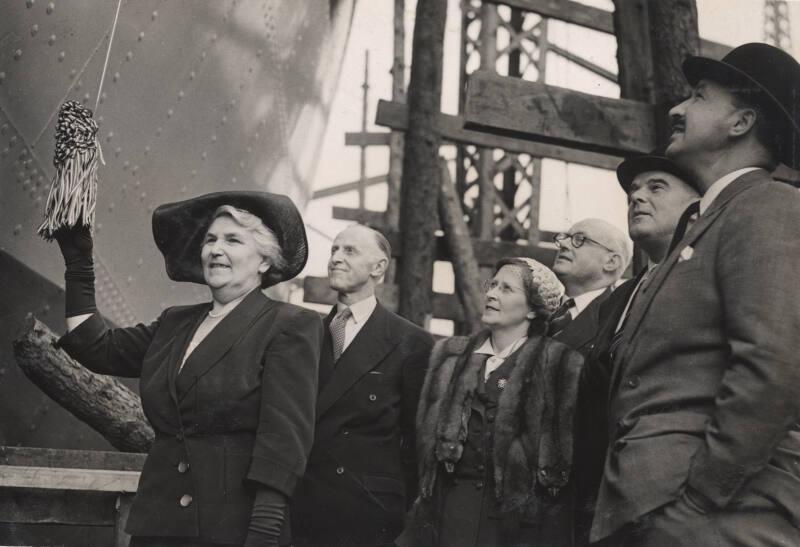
(766, 69)
(179, 229)
(634, 166)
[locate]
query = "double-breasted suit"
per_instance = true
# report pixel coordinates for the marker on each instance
(706, 380)
(362, 472)
(240, 413)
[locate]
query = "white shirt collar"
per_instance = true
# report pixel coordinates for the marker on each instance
(361, 310)
(583, 300)
(715, 189)
(488, 349)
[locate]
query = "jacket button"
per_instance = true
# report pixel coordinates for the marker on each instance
(373, 397)
(340, 470)
(183, 467)
(179, 437)
(478, 485)
(345, 432)
(481, 467)
(633, 382)
(185, 501)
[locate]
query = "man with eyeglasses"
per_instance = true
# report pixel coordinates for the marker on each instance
(591, 258)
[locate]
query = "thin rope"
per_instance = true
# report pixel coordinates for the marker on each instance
(108, 54)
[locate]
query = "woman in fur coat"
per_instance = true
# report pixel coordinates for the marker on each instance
(495, 424)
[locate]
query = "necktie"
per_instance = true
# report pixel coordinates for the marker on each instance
(688, 216)
(561, 317)
(617, 338)
(337, 332)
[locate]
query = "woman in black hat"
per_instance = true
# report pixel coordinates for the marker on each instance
(229, 386)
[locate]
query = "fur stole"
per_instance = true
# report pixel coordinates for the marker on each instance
(533, 428)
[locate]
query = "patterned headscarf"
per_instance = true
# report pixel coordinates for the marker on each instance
(549, 289)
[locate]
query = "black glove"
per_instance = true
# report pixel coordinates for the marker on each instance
(76, 248)
(266, 520)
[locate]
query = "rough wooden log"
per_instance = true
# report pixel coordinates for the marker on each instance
(102, 402)
(459, 243)
(420, 185)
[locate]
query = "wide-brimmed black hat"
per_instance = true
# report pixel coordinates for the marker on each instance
(767, 69)
(634, 166)
(179, 229)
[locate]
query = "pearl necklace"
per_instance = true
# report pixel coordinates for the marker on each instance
(221, 313)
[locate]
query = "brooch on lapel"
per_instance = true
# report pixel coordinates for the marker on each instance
(501, 383)
(686, 254)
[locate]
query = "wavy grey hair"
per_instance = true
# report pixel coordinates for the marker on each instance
(266, 240)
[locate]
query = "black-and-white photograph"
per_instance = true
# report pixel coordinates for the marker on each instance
(400, 273)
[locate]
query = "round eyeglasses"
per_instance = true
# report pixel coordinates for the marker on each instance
(577, 240)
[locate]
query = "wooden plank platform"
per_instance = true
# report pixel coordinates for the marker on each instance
(95, 480)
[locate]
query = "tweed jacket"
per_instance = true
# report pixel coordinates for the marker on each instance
(706, 381)
(533, 427)
(362, 468)
(238, 414)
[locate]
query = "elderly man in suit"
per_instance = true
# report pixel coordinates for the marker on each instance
(361, 474)
(704, 413)
(591, 258)
(658, 193)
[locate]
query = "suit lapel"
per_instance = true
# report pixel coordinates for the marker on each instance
(181, 341)
(702, 224)
(364, 353)
(220, 340)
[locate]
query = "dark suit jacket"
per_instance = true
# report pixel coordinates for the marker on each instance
(362, 470)
(708, 379)
(580, 333)
(591, 437)
(240, 411)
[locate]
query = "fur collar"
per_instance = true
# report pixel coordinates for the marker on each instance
(533, 428)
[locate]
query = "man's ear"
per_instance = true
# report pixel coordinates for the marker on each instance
(744, 120)
(379, 268)
(613, 263)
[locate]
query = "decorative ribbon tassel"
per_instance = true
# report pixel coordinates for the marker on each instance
(73, 194)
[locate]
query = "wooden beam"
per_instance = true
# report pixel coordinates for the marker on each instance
(583, 62)
(487, 253)
(395, 116)
(348, 186)
(514, 107)
(95, 480)
(593, 18)
(367, 139)
(21, 506)
(82, 459)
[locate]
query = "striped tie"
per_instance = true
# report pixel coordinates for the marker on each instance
(337, 331)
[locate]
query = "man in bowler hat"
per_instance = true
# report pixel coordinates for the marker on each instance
(361, 473)
(704, 434)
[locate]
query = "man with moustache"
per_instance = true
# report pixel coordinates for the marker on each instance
(591, 258)
(361, 474)
(658, 193)
(704, 419)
